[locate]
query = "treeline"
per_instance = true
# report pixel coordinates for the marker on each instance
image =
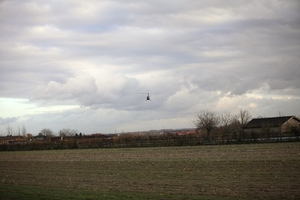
(210, 129)
(129, 140)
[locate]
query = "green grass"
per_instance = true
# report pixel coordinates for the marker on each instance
(269, 171)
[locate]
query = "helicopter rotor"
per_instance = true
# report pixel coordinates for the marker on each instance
(148, 96)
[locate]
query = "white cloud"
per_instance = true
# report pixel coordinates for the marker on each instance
(75, 87)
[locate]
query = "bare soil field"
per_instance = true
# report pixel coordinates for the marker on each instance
(253, 171)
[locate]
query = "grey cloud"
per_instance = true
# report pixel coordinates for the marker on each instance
(74, 87)
(7, 120)
(189, 55)
(19, 83)
(269, 107)
(236, 81)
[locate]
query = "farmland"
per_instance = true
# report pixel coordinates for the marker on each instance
(248, 171)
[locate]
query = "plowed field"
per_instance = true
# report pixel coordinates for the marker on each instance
(254, 171)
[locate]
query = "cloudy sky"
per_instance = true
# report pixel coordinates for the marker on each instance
(80, 64)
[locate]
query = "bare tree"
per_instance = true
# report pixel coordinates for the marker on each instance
(244, 117)
(206, 121)
(24, 131)
(9, 130)
(230, 126)
(226, 123)
(46, 132)
(67, 132)
(226, 119)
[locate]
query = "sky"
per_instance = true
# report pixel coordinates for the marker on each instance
(81, 64)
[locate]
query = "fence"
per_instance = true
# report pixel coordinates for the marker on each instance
(163, 140)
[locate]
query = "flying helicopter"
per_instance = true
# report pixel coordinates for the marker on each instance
(148, 96)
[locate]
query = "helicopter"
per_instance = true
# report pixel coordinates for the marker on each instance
(148, 96)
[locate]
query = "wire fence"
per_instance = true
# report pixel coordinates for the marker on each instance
(136, 140)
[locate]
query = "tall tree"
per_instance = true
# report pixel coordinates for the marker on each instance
(226, 122)
(206, 121)
(24, 131)
(9, 130)
(19, 131)
(244, 117)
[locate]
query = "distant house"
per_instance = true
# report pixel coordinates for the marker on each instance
(12, 139)
(40, 137)
(5, 140)
(187, 132)
(274, 124)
